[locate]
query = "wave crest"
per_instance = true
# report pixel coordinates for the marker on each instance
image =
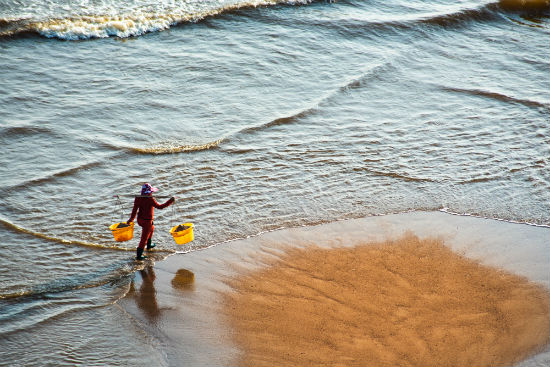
(105, 26)
(395, 175)
(171, 148)
(525, 4)
(24, 130)
(497, 96)
(112, 22)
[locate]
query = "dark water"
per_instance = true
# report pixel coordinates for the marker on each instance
(255, 118)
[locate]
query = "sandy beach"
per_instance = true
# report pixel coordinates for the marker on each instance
(408, 302)
(415, 289)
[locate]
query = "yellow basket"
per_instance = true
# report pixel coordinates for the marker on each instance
(124, 233)
(182, 237)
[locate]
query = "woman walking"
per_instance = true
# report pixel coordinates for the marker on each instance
(144, 207)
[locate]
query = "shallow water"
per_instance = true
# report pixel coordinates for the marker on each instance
(190, 316)
(255, 118)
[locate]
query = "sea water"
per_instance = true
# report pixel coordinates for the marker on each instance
(255, 115)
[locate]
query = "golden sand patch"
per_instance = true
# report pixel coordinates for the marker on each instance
(408, 302)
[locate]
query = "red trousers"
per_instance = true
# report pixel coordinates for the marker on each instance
(147, 229)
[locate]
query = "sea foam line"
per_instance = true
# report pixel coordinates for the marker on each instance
(171, 148)
(448, 211)
(112, 22)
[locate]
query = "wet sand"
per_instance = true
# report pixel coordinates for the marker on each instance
(457, 291)
(407, 302)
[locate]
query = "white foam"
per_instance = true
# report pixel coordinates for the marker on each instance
(109, 18)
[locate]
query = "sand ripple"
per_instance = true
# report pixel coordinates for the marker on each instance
(408, 302)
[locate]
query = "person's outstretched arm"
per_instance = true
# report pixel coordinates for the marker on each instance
(134, 211)
(162, 206)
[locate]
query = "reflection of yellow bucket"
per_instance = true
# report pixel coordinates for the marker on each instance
(182, 237)
(183, 280)
(124, 233)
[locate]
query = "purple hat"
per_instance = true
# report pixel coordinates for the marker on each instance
(147, 189)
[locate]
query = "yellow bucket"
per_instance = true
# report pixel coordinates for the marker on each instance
(182, 236)
(123, 233)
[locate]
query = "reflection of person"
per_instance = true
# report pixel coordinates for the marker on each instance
(147, 300)
(144, 208)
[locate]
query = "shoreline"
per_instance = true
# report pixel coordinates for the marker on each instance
(189, 290)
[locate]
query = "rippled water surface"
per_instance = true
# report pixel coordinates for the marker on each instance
(256, 116)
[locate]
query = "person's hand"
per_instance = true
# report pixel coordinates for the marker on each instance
(129, 222)
(173, 199)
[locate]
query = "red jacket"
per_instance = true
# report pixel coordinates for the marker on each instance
(144, 207)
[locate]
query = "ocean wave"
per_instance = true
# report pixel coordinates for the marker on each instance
(115, 19)
(485, 12)
(50, 177)
(454, 14)
(14, 227)
(525, 4)
(349, 85)
(279, 121)
(360, 25)
(497, 96)
(39, 303)
(172, 148)
(138, 17)
(82, 281)
(23, 131)
(395, 175)
(480, 180)
(30, 316)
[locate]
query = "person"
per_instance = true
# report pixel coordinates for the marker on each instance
(144, 207)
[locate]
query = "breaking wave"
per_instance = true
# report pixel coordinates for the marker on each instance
(172, 148)
(113, 18)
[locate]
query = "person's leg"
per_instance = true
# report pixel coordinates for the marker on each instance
(150, 245)
(146, 229)
(139, 254)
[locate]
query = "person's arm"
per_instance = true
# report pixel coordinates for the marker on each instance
(134, 211)
(162, 206)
